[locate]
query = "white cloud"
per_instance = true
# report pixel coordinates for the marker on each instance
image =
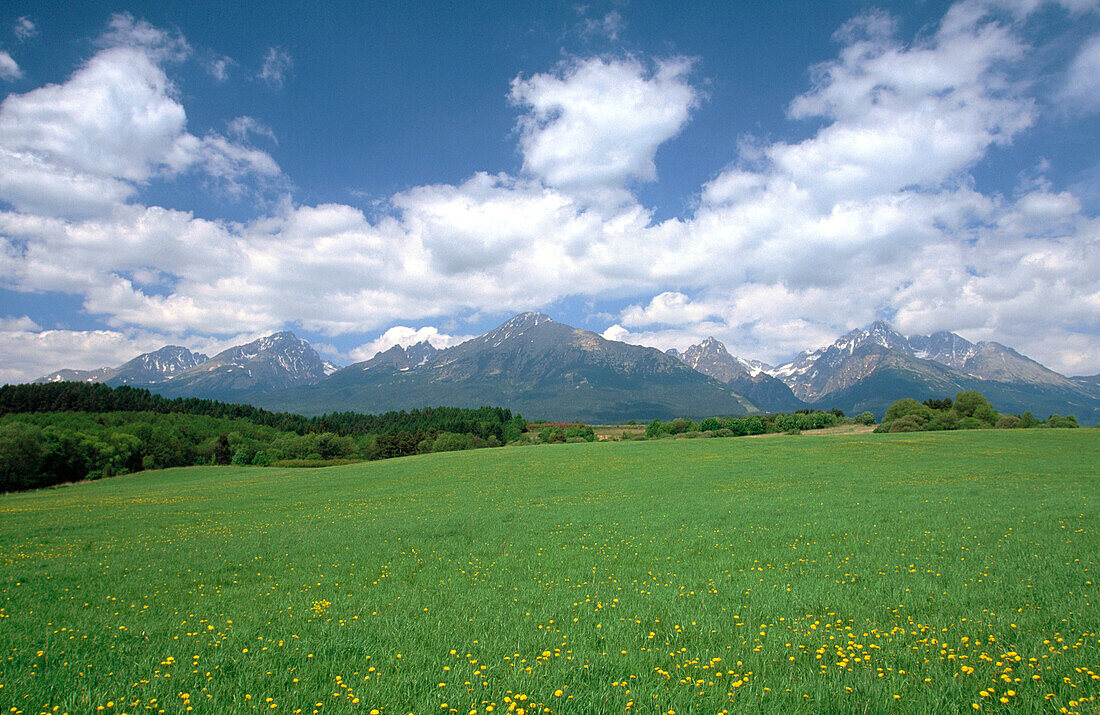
(669, 308)
(405, 336)
(872, 214)
(22, 323)
(1082, 84)
(242, 127)
(607, 27)
(82, 147)
(277, 63)
(159, 45)
(9, 68)
(906, 114)
(27, 352)
(25, 29)
(592, 126)
(217, 66)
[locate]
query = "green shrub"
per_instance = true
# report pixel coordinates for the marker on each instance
(908, 423)
(864, 418)
(944, 420)
(967, 403)
(908, 406)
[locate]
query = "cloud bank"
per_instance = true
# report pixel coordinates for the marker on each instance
(874, 212)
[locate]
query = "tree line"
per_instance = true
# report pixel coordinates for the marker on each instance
(968, 410)
(797, 421)
(63, 432)
(482, 422)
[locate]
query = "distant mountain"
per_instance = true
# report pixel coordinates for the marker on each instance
(1089, 384)
(402, 359)
(546, 369)
(869, 369)
(530, 364)
(100, 375)
(275, 362)
(746, 377)
(145, 369)
(816, 373)
(987, 360)
(158, 366)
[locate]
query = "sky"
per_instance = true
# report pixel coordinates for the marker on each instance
(369, 174)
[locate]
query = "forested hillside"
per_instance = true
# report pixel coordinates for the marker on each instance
(62, 432)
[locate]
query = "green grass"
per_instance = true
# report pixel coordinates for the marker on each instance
(693, 575)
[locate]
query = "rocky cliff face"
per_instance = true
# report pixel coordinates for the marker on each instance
(746, 377)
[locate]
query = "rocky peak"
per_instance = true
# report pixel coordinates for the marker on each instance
(514, 327)
(420, 353)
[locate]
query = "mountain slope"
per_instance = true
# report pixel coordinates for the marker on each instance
(275, 362)
(870, 369)
(1089, 384)
(157, 366)
(99, 375)
(814, 374)
(746, 377)
(532, 365)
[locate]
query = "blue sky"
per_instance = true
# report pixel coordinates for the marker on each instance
(773, 174)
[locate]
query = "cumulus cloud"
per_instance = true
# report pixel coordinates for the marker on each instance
(873, 213)
(82, 147)
(1081, 89)
(592, 126)
(9, 68)
(405, 336)
(160, 45)
(25, 28)
(277, 63)
(26, 352)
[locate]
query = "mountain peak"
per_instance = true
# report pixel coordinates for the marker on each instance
(522, 321)
(516, 326)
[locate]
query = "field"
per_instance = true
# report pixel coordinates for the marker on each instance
(929, 573)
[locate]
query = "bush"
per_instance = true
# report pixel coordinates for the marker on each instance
(946, 420)
(450, 442)
(908, 423)
(683, 424)
(1008, 422)
(724, 432)
(971, 423)
(986, 414)
(864, 418)
(908, 406)
(710, 424)
(585, 432)
(1057, 421)
(967, 404)
(550, 435)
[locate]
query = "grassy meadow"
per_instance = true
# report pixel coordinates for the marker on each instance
(930, 573)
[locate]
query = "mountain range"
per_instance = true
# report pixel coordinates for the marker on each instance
(545, 369)
(275, 362)
(531, 364)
